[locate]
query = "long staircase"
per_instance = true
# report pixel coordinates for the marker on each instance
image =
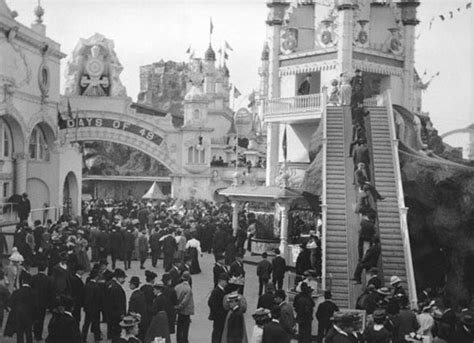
(341, 222)
(385, 180)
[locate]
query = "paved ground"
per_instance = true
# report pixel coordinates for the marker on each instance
(201, 327)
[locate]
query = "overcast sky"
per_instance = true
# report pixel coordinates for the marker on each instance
(147, 31)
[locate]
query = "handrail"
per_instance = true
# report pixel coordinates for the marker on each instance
(299, 103)
(401, 204)
(324, 206)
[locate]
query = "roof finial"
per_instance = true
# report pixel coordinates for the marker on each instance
(39, 12)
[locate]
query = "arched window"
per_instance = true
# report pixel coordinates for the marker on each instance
(38, 146)
(196, 114)
(6, 140)
(196, 156)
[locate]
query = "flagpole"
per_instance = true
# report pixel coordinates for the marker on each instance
(236, 141)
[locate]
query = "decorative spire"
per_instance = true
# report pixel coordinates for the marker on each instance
(39, 13)
(225, 70)
(210, 55)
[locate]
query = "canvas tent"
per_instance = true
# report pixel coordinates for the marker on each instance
(154, 193)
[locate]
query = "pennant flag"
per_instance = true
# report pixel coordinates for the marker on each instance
(441, 16)
(236, 93)
(61, 121)
(458, 9)
(226, 56)
(437, 74)
(211, 26)
(192, 55)
(284, 145)
(451, 14)
(189, 50)
(69, 110)
(228, 47)
(251, 99)
(468, 5)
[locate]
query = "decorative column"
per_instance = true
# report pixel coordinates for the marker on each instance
(21, 169)
(235, 217)
(284, 231)
(409, 21)
(346, 35)
(275, 20)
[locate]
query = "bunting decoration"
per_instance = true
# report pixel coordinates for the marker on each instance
(447, 15)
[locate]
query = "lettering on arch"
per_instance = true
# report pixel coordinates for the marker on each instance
(119, 125)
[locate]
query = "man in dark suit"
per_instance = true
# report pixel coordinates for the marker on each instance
(367, 231)
(361, 155)
(267, 300)
(23, 303)
(116, 244)
(93, 303)
(273, 331)
(369, 260)
(278, 269)
(128, 246)
(115, 304)
(155, 245)
(169, 247)
(264, 271)
(374, 278)
(236, 270)
(175, 273)
(287, 316)
(102, 244)
(61, 277)
(219, 268)
(217, 312)
(137, 304)
(77, 292)
(219, 241)
(324, 313)
(43, 287)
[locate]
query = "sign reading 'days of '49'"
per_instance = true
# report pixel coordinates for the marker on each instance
(111, 124)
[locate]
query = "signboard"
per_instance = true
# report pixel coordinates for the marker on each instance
(111, 124)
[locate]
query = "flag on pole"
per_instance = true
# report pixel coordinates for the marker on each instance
(189, 50)
(441, 16)
(284, 145)
(211, 26)
(251, 99)
(468, 5)
(69, 110)
(228, 47)
(236, 93)
(61, 121)
(226, 56)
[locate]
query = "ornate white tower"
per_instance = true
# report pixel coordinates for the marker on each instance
(210, 71)
(345, 27)
(409, 21)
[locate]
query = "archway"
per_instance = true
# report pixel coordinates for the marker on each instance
(70, 195)
(39, 196)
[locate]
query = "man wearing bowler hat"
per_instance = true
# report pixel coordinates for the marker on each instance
(115, 304)
(217, 312)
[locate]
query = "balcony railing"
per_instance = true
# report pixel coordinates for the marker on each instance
(299, 103)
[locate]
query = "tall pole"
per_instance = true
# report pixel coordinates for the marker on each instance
(346, 27)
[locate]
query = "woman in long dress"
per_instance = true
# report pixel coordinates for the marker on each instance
(81, 251)
(193, 248)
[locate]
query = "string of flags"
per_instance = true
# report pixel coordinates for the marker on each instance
(449, 14)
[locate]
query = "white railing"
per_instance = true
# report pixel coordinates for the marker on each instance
(401, 204)
(299, 103)
(324, 206)
(375, 101)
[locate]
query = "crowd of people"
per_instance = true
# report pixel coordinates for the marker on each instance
(73, 282)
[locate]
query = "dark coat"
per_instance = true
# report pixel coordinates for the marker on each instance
(128, 241)
(324, 313)
(77, 291)
(93, 297)
(266, 301)
(169, 245)
(215, 303)
(137, 304)
(147, 291)
(174, 275)
(23, 303)
(237, 269)
(154, 241)
(274, 333)
(219, 241)
(278, 267)
(43, 287)
(170, 294)
(103, 241)
(235, 327)
(360, 177)
(116, 241)
(61, 281)
(371, 256)
(264, 269)
(304, 306)
(361, 155)
(63, 328)
(115, 300)
(163, 303)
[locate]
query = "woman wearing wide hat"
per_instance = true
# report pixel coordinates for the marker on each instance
(129, 325)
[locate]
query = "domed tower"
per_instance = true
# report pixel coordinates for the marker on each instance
(195, 108)
(210, 71)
